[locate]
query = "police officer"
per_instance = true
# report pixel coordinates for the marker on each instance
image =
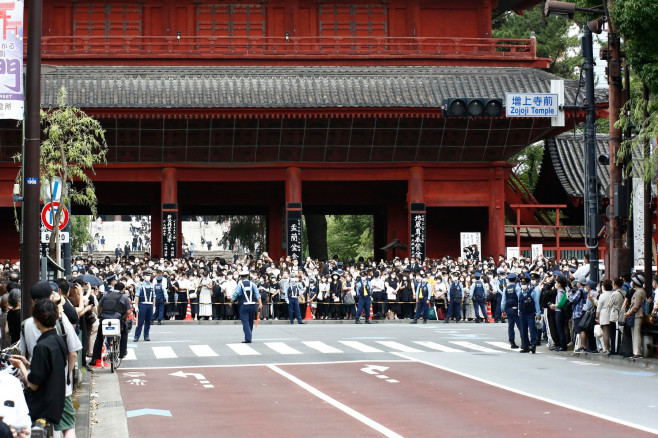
(510, 305)
(145, 303)
(159, 288)
(248, 298)
(114, 305)
(529, 311)
(455, 296)
(295, 288)
(478, 294)
(364, 293)
(110, 281)
(422, 291)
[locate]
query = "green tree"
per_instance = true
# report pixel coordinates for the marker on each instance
(529, 164)
(73, 143)
(248, 231)
(350, 236)
(79, 232)
(553, 40)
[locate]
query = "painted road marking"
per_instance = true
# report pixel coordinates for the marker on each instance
(503, 345)
(475, 347)
(140, 412)
(373, 369)
(164, 352)
(243, 349)
(282, 348)
(361, 347)
(130, 355)
(536, 397)
(321, 347)
(335, 403)
(439, 347)
(200, 377)
(399, 347)
(203, 350)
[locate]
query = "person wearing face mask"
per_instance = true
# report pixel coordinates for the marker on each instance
(378, 295)
(510, 304)
(478, 294)
(145, 305)
(422, 293)
(455, 297)
(283, 287)
(295, 289)
(364, 294)
(529, 311)
(392, 287)
(183, 290)
(406, 295)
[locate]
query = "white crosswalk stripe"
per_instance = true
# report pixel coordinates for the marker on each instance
(439, 347)
(476, 347)
(130, 355)
(164, 352)
(360, 346)
(399, 347)
(282, 348)
(243, 349)
(504, 345)
(203, 351)
(321, 347)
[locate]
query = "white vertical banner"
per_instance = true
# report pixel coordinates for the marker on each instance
(468, 240)
(11, 60)
(537, 251)
(513, 252)
(637, 204)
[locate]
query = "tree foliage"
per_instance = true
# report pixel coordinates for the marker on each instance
(72, 144)
(553, 40)
(79, 232)
(350, 236)
(529, 164)
(637, 22)
(246, 231)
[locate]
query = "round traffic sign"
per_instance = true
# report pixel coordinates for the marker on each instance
(48, 216)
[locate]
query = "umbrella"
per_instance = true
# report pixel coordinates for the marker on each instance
(91, 279)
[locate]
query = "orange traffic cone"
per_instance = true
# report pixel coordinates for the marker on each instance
(371, 314)
(489, 317)
(188, 314)
(309, 314)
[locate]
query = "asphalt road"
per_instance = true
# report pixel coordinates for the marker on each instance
(373, 380)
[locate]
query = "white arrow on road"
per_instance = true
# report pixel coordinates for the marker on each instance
(200, 377)
(374, 369)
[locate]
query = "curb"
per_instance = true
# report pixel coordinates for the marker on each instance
(644, 363)
(82, 414)
(286, 322)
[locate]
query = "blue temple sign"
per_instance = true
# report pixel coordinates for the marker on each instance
(531, 105)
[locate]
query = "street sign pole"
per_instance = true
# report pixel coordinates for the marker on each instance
(66, 259)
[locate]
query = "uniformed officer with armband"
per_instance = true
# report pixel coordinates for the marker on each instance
(478, 294)
(248, 298)
(422, 290)
(510, 305)
(294, 290)
(114, 305)
(145, 304)
(529, 311)
(364, 292)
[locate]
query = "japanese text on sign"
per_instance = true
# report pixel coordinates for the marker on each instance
(418, 232)
(294, 224)
(531, 105)
(169, 234)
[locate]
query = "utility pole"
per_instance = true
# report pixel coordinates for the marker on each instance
(619, 254)
(30, 231)
(592, 217)
(648, 238)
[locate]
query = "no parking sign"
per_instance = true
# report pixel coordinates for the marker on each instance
(48, 216)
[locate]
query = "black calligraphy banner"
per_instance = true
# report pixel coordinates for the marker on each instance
(418, 230)
(169, 235)
(294, 230)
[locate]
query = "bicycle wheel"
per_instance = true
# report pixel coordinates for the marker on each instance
(117, 356)
(111, 354)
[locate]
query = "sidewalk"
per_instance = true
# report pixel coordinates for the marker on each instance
(648, 363)
(107, 416)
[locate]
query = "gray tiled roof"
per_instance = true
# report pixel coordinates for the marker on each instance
(567, 155)
(287, 87)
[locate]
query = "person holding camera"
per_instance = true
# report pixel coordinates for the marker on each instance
(114, 305)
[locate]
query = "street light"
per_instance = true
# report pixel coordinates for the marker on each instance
(593, 220)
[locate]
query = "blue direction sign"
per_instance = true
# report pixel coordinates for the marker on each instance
(531, 105)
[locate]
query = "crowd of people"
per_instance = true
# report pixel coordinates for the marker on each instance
(543, 300)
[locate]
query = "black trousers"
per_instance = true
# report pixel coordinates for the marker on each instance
(98, 345)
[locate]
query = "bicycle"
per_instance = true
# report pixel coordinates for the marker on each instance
(112, 333)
